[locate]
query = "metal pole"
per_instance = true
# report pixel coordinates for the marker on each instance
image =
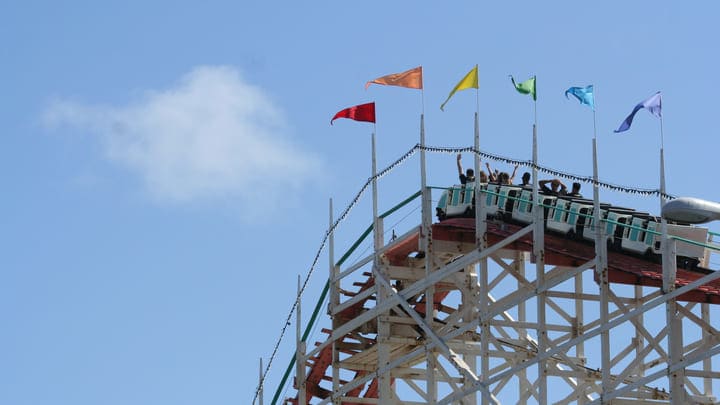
(377, 232)
(539, 253)
(300, 352)
(579, 324)
(674, 324)
(334, 302)
(480, 225)
(473, 307)
(673, 317)
(600, 247)
(260, 393)
(524, 389)
(426, 246)
(383, 333)
(602, 269)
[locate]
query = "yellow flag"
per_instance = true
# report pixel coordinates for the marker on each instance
(470, 81)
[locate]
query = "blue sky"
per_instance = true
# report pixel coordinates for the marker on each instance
(167, 166)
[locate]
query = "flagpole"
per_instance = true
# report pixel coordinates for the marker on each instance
(662, 178)
(596, 188)
(377, 231)
(476, 163)
(662, 136)
(426, 246)
(383, 293)
(422, 94)
(663, 222)
(662, 164)
(536, 197)
(662, 167)
(476, 144)
(601, 262)
(539, 253)
(424, 191)
(669, 267)
(481, 282)
(479, 215)
(423, 178)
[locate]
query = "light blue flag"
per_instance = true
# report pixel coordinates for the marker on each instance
(652, 104)
(583, 94)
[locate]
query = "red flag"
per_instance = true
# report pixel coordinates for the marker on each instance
(362, 112)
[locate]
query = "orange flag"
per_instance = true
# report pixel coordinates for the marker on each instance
(411, 79)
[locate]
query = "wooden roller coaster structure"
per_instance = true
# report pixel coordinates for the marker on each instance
(475, 310)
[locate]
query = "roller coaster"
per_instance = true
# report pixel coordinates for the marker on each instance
(497, 302)
(625, 229)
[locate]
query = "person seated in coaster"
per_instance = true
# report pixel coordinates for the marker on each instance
(469, 175)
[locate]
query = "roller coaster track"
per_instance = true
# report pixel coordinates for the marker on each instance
(623, 268)
(431, 149)
(455, 238)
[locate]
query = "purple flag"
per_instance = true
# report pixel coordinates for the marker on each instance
(652, 104)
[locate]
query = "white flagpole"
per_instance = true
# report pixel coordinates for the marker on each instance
(601, 265)
(377, 232)
(662, 165)
(669, 266)
(480, 226)
(596, 188)
(422, 99)
(423, 170)
(479, 219)
(426, 246)
(482, 274)
(599, 228)
(539, 253)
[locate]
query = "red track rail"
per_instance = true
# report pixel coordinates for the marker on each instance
(623, 268)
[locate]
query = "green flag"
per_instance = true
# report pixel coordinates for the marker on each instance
(470, 81)
(526, 87)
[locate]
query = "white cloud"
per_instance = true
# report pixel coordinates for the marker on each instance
(212, 136)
